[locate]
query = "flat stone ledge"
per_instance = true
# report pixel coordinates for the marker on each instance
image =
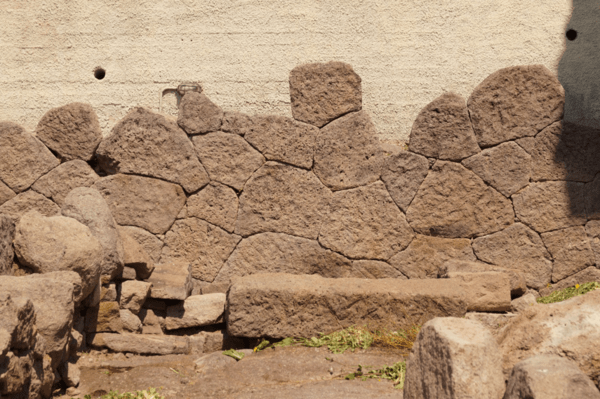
(141, 343)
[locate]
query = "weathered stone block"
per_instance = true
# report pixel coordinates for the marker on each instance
(216, 203)
(197, 114)
(196, 311)
(402, 174)
(141, 343)
(171, 280)
(571, 251)
(57, 183)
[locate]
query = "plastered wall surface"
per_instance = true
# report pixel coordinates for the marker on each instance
(407, 52)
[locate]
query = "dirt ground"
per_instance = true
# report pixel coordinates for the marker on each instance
(289, 372)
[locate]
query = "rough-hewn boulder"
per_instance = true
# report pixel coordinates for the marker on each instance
(196, 311)
(134, 255)
(171, 280)
(454, 202)
(454, 358)
(365, 223)
(443, 130)
(282, 139)
(18, 323)
(57, 183)
(149, 242)
(282, 198)
(204, 246)
(227, 157)
(141, 343)
(197, 114)
(348, 153)
(57, 243)
(65, 276)
(506, 167)
(425, 255)
(375, 269)
(236, 122)
(133, 295)
(149, 144)
(515, 102)
(87, 206)
(28, 201)
(144, 202)
(7, 235)
(23, 158)
(402, 174)
(282, 253)
(549, 377)
(571, 251)
(5, 193)
(485, 291)
(321, 92)
(551, 205)
(517, 247)
(216, 203)
(72, 131)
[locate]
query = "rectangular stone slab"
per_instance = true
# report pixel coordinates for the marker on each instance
(284, 305)
(141, 344)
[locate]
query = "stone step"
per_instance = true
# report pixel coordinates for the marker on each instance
(140, 343)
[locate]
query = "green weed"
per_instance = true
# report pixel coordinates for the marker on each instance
(150, 393)
(567, 293)
(396, 373)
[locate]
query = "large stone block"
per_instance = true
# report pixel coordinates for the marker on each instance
(570, 248)
(348, 153)
(69, 277)
(197, 114)
(365, 223)
(284, 199)
(5, 193)
(149, 144)
(57, 183)
(321, 92)
(515, 102)
(149, 242)
(72, 131)
(454, 202)
(454, 358)
(485, 291)
(17, 318)
(196, 311)
(146, 344)
(443, 130)
(29, 201)
(144, 202)
(171, 280)
(23, 158)
(216, 203)
(402, 174)
(7, 235)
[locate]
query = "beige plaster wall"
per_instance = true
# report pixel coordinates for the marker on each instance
(407, 52)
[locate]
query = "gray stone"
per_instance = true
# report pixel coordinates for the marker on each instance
(141, 343)
(571, 251)
(144, 202)
(23, 158)
(376, 269)
(216, 203)
(7, 235)
(348, 153)
(133, 295)
(197, 114)
(236, 122)
(284, 199)
(365, 223)
(105, 317)
(28, 201)
(171, 280)
(131, 322)
(57, 183)
(134, 255)
(196, 311)
(402, 174)
(227, 157)
(282, 139)
(454, 202)
(321, 92)
(149, 242)
(514, 102)
(517, 247)
(5, 193)
(506, 167)
(425, 255)
(149, 144)
(443, 130)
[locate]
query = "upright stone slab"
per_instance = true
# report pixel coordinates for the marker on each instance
(72, 131)
(284, 199)
(28, 201)
(454, 202)
(144, 202)
(348, 153)
(570, 248)
(365, 223)
(171, 280)
(197, 114)
(515, 102)
(5, 193)
(149, 242)
(23, 158)
(196, 311)
(322, 92)
(402, 174)
(443, 130)
(57, 183)
(7, 235)
(149, 144)
(216, 203)
(454, 358)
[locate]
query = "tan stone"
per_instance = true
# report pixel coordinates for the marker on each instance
(197, 114)
(283, 139)
(375, 269)
(282, 253)
(365, 223)
(215, 288)
(133, 295)
(485, 291)
(141, 343)
(522, 303)
(151, 322)
(23, 158)
(284, 199)
(17, 317)
(7, 235)
(236, 122)
(15, 374)
(149, 144)
(5, 193)
(517, 247)
(494, 321)
(72, 131)
(103, 318)
(149, 242)
(130, 321)
(70, 373)
(216, 203)
(196, 311)
(592, 198)
(204, 246)
(57, 183)
(506, 167)
(443, 130)
(551, 205)
(454, 358)
(135, 256)
(109, 293)
(425, 255)
(58, 243)
(454, 202)
(514, 102)
(402, 174)
(171, 280)
(348, 153)
(321, 92)
(66, 276)
(571, 251)
(27, 201)
(144, 202)
(588, 275)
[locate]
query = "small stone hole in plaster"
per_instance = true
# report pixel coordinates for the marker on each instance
(571, 34)
(99, 73)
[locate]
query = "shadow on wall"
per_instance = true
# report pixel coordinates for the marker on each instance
(577, 141)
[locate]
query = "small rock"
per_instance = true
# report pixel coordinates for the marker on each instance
(134, 256)
(522, 303)
(70, 374)
(106, 317)
(196, 311)
(127, 274)
(172, 280)
(131, 322)
(197, 114)
(149, 242)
